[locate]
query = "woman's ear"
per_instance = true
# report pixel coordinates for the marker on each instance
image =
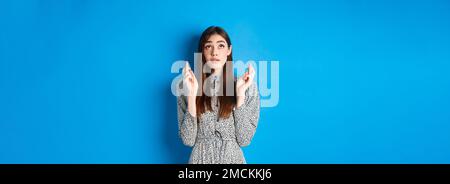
(229, 50)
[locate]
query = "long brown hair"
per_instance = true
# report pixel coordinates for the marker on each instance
(227, 102)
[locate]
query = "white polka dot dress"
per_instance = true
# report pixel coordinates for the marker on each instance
(219, 141)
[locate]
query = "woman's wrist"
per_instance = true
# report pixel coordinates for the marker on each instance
(240, 101)
(192, 105)
(191, 98)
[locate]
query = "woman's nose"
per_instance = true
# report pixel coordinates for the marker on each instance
(214, 52)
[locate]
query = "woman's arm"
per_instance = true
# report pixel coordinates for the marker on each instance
(187, 121)
(246, 116)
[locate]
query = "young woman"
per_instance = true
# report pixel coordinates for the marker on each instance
(215, 123)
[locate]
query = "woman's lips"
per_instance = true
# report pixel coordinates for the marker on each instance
(215, 60)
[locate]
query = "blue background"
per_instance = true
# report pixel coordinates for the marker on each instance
(360, 81)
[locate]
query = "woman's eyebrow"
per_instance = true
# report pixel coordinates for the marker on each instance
(216, 42)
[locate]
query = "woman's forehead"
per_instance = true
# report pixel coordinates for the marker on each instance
(215, 38)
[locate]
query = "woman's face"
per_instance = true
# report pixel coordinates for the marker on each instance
(216, 50)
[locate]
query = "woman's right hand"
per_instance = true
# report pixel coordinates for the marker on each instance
(190, 83)
(190, 87)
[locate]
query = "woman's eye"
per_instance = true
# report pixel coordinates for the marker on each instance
(207, 46)
(221, 46)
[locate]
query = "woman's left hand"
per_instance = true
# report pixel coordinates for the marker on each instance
(245, 81)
